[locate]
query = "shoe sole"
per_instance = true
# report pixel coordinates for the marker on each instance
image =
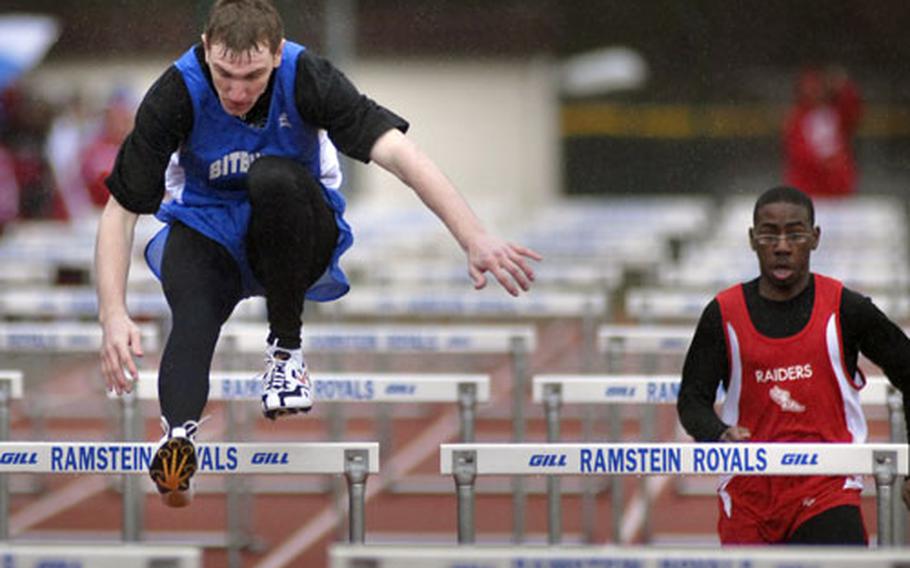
(172, 468)
(276, 413)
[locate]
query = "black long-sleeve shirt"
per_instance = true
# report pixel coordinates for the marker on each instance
(865, 330)
(324, 97)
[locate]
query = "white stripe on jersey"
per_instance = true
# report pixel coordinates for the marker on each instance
(853, 412)
(174, 179)
(328, 162)
(730, 409)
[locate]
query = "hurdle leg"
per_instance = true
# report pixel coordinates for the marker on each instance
(895, 403)
(4, 478)
(356, 468)
(885, 474)
(465, 473)
(237, 538)
(467, 408)
(336, 426)
(133, 497)
(616, 481)
(519, 373)
(552, 402)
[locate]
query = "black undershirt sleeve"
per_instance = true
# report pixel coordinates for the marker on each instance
(326, 98)
(705, 366)
(163, 120)
(867, 329)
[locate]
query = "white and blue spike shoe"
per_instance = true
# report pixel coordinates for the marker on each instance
(286, 385)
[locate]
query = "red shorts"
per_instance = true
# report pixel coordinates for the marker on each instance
(767, 509)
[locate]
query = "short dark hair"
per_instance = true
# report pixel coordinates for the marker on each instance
(242, 25)
(784, 194)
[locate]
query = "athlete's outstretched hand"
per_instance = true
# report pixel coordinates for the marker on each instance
(905, 492)
(120, 342)
(507, 262)
(735, 434)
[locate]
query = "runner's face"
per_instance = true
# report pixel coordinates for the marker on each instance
(240, 78)
(783, 238)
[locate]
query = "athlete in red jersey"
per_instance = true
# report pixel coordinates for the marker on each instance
(786, 347)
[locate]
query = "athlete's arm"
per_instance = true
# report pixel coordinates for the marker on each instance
(884, 343)
(506, 261)
(121, 337)
(137, 186)
(704, 368)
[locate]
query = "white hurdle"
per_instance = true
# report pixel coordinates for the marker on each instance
(515, 340)
(555, 390)
(464, 389)
(238, 386)
(490, 304)
(355, 460)
(98, 556)
(467, 461)
(501, 556)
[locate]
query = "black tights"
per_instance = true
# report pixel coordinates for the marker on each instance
(291, 238)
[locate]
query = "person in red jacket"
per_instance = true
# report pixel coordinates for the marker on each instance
(819, 131)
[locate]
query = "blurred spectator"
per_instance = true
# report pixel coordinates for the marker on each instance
(26, 120)
(819, 131)
(9, 188)
(98, 158)
(82, 147)
(71, 131)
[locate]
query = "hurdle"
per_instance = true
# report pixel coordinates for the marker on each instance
(555, 390)
(529, 556)
(355, 460)
(515, 340)
(427, 303)
(467, 461)
(465, 389)
(98, 556)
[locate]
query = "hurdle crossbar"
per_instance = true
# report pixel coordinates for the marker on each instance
(62, 337)
(644, 338)
(466, 461)
(388, 338)
(530, 556)
(423, 302)
(653, 389)
(99, 556)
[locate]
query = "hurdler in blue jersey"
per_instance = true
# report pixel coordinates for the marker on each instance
(234, 149)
